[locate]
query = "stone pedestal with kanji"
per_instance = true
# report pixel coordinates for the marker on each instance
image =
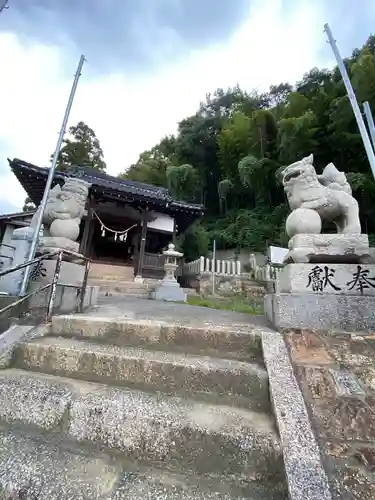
(328, 280)
(324, 297)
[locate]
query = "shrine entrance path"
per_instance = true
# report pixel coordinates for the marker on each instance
(171, 312)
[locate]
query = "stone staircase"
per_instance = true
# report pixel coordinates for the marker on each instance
(109, 409)
(129, 288)
(102, 271)
(118, 280)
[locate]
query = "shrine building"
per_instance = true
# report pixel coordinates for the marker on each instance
(125, 223)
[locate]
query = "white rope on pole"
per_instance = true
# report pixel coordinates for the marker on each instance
(122, 235)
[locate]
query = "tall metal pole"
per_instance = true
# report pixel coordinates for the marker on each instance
(51, 173)
(3, 5)
(370, 122)
(353, 100)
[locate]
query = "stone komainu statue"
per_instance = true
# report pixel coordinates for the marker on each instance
(62, 215)
(329, 195)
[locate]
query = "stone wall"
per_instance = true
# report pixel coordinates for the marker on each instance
(336, 373)
(229, 286)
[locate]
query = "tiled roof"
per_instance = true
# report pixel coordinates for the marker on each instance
(33, 179)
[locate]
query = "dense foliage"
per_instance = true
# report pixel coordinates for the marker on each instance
(227, 155)
(80, 148)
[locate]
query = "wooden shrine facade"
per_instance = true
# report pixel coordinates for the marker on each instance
(125, 223)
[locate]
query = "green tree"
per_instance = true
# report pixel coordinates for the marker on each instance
(228, 154)
(81, 149)
(28, 205)
(150, 168)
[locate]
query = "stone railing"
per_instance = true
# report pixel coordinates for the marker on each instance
(205, 265)
(266, 273)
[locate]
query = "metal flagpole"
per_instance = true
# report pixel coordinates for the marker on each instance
(51, 172)
(370, 122)
(353, 100)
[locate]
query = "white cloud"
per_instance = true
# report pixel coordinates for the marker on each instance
(130, 114)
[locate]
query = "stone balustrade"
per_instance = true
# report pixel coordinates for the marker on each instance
(267, 273)
(206, 265)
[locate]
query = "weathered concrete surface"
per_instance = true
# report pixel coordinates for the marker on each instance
(243, 343)
(320, 311)
(150, 370)
(217, 440)
(146, 487)
(155, 429)
(177, 314)
(336, 372)
(34, 469)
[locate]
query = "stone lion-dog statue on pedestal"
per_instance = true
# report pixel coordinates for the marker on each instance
(329, 195)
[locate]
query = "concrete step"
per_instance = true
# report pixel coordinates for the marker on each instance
(212, 379)
(108, 271)
(35, 468)
(119, 287)
(31, 468)
(237, 343)
(112, 287)
(176, 434)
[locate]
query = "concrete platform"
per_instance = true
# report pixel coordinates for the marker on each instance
(173, 313)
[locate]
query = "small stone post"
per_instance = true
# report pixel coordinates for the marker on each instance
(169, 288)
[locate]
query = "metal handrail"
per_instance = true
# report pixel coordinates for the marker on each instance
(26, 264)
(54, 283)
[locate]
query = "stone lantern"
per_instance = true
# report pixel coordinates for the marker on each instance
(171, 262)
(169, 288)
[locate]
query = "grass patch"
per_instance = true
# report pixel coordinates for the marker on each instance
(235, 304)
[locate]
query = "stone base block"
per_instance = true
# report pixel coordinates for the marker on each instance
(66, 300)
(329, 248)
(52, 243)
(351, 279)
(169, 291)
(320, 311)
(70, 274)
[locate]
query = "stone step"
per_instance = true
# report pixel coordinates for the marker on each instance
(174, 434)
(118, 292)
(212, 379)
(242, 343)
(108, 271)
(33, 468)
(119, 287)
(121, 284)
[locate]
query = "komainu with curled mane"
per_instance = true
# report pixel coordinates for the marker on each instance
(329, 194)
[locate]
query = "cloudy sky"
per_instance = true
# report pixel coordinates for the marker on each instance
(149, 64)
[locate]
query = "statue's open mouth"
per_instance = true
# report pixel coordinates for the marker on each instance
(292, 175)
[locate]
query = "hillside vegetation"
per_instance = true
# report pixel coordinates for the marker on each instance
(227, 154)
